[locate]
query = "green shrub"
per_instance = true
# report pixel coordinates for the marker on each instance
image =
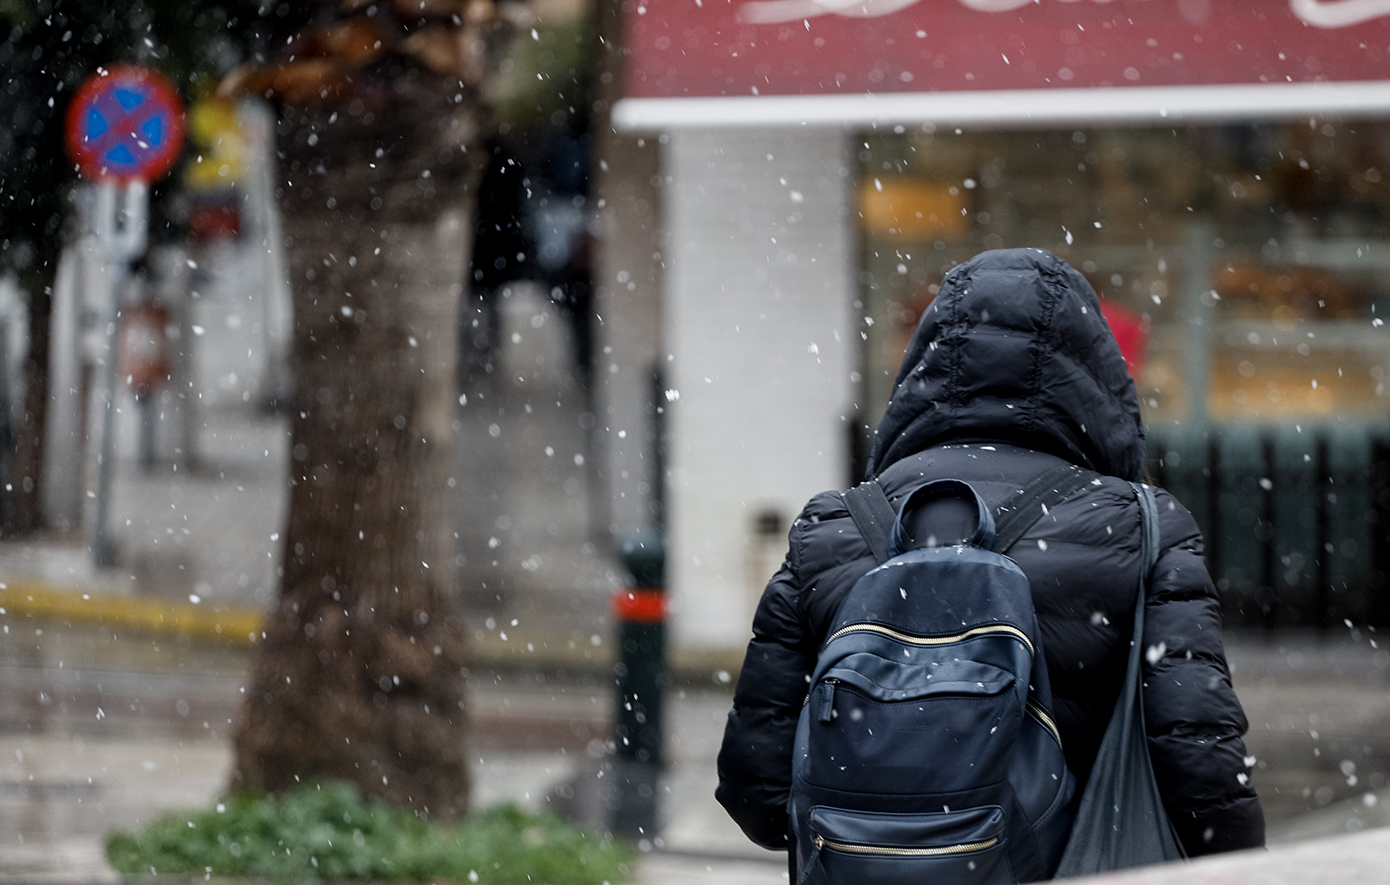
(329, 831)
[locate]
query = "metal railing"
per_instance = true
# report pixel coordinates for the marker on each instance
(1296, 518)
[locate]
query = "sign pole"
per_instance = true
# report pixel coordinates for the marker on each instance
(118, 240)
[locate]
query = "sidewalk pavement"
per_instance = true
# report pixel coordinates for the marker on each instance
(85, 749)
(99, 731)
(1358, 858)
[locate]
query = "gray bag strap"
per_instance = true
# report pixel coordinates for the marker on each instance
(874, 516)
(1121, 822)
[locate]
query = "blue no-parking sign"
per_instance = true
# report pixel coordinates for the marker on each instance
(125, 123)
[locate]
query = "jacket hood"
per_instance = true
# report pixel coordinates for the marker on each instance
(1014, 349)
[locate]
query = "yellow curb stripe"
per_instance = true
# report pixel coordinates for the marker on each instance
(235, 626)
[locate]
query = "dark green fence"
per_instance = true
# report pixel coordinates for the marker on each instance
(1296, 519)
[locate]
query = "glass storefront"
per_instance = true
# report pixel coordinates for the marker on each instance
(1246, 271)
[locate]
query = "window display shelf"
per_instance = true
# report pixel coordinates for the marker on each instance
(1336, 254)
(1303, 337)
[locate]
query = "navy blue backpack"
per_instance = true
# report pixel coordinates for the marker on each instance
(926, 752)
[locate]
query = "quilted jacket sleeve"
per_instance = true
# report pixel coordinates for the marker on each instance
(1195, 722)
(755, 760)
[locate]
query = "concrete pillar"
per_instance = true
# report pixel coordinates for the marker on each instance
(757, 323)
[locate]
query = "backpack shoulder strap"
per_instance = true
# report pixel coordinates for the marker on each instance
(1051, 487)
(873, 515)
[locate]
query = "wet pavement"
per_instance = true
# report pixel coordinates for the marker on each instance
(1319, 711)
(100, 731)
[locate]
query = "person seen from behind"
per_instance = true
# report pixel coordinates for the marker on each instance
(1013, 371)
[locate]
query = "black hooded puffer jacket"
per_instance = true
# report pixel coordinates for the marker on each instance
(1013, 370)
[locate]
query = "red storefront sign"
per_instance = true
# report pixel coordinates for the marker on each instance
(1146, 56)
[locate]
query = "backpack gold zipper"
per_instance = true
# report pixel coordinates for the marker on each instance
(1041, 715)
(847, 848)
(935, 640)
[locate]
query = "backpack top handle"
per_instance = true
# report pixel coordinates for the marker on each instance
(899, 542)
(874, 515)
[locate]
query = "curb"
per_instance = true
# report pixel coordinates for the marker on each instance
(231, 626)
(224, 625)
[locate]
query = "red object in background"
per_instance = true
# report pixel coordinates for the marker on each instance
(144, 347)
(1131, 331)
(214, 219)
(125, 122)
(683, 49)
(640, 606)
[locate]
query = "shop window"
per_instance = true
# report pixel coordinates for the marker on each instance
(1249, 263)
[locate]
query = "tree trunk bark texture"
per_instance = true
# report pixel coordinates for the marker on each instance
(360, 674)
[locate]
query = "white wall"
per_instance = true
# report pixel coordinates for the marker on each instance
(757, 323)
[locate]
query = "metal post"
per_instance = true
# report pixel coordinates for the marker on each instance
(640, 680)
(1264, 531)
(1379, 580)
(148, 405)
(1198, 316)
(119, 240)
(1323, 487)
(1215, 485)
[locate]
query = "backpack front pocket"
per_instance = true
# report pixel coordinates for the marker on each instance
(908, 849)
(871, 718)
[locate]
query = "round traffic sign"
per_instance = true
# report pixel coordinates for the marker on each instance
(125, 122)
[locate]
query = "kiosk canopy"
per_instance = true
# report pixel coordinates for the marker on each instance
(761, 62)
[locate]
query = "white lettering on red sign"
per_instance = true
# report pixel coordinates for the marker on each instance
(1339, 13)
(1318, 13)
